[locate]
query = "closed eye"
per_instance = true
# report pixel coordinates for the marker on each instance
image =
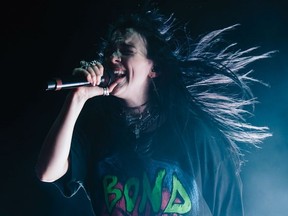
(127, 49)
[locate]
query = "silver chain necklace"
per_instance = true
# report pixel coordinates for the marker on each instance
(140, 121)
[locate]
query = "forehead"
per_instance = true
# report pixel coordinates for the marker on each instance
(129, 37)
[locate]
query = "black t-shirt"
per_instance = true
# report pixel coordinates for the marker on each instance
(164, 172)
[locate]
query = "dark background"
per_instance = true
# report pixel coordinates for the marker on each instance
(42, 39)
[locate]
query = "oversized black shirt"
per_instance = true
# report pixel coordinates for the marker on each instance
(169, 171)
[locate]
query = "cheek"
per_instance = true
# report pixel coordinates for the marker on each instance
(140, 67)
(142, 72)
(144, 65)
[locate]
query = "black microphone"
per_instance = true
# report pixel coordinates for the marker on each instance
(57, 84)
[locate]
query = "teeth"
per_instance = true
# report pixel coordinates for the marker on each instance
(119, 72)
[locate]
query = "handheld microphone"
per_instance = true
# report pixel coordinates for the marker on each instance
(57, 84)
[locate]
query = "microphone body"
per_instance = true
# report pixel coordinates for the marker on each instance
(57, 84)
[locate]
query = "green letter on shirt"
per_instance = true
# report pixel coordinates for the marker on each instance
(109, 182)
(131, 190)
(173, 206)
(155, 194)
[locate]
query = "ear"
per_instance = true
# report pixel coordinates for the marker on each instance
(153, 74)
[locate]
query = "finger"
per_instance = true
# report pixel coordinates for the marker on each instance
(93, 75)
(82, 72)
(92, 70)
(99, 70)
(112, 86)
(96, 72)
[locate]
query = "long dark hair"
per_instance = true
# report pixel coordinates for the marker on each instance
(205, 77)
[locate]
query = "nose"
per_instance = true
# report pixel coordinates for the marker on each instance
(116, 56)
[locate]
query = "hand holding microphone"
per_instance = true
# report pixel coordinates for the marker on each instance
(92, 69)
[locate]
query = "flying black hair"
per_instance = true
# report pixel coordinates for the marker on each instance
(209, 72)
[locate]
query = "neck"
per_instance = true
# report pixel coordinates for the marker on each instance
(136, 98)
(139, 103)
(136, 109)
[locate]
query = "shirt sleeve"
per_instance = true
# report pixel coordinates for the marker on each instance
(223, 185)
(227, 189)
(76, 174)
(215, 169)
